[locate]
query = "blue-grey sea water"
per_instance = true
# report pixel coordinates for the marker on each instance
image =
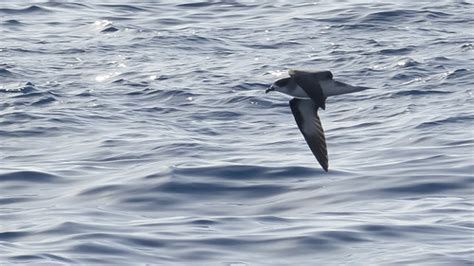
(138, 132)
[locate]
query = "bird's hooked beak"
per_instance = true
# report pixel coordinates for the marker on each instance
(269, 89)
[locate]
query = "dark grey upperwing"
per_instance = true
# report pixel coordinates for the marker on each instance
(321, 75)
(309, 82)
(307, 119)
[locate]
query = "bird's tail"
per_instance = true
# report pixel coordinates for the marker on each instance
(343, 88)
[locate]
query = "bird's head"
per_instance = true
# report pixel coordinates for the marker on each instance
(278, 85)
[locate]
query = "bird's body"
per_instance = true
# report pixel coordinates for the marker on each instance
(293, 89)
(310, 90)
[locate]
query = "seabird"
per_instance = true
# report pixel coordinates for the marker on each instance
(310, 90)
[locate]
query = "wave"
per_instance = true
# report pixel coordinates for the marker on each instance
(29, 176)
(33, 9)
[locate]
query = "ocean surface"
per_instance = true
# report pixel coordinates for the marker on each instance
(138, 132)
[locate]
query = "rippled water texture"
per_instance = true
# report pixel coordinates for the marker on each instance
(134, 133)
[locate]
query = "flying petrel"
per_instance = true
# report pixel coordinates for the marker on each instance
(310, 90)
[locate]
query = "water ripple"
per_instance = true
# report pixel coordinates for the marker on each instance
(140, 133)
(29, 176)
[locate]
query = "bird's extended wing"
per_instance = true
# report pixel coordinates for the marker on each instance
(325, 74)
(307, 119)
(309, 82)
